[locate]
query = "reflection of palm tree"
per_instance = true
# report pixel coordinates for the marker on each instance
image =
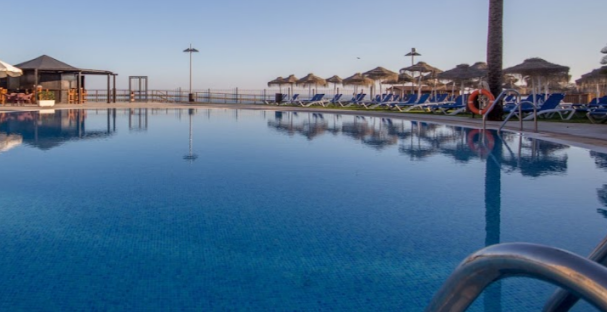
(493, 204)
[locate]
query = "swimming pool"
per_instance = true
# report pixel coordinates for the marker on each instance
(159, 210)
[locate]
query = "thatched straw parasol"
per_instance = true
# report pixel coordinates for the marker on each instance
(358, 80)
(310, 80)
(481, 66)
(537, 67)
(279, 81)
(604, 50)
(401, 80)
(421, 68)
(462, 73)
(597, 77)
(379, 74)
(291, 80)
(334, 80)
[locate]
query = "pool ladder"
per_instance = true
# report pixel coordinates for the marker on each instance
(578, 277)
(518, 108)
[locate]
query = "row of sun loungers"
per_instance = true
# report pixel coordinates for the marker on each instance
(546, 106)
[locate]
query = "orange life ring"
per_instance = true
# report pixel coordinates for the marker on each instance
(475, 147)
(473, 97)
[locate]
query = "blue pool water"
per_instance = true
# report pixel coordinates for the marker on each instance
(275, 211)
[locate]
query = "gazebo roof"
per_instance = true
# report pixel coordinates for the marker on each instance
(47, 63)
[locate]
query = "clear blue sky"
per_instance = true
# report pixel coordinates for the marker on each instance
(247, 43)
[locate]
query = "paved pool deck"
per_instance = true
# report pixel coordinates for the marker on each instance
(590, 136)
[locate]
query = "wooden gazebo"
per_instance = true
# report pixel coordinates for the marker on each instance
(55, 75)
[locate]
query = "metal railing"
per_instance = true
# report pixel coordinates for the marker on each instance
(563, 300)
(576, 274)
(499, 98)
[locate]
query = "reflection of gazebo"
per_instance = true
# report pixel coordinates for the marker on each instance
(51, 130)
(57, 76)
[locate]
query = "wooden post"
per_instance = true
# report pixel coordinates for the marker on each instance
(108, 89)
(114, 89)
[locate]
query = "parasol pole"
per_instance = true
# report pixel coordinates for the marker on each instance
(534, 104)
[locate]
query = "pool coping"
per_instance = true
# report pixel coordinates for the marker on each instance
(588, 136)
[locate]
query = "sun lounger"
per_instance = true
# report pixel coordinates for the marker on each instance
(356, 99)
(387, 98)
(316, 99)
(597, 115)
(437, 100)
(333, 101)
(412, 101)
(451, 108)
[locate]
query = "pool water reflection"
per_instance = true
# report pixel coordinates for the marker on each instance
(256, 210)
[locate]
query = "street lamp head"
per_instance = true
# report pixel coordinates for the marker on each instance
(413, 53)
(190, 50)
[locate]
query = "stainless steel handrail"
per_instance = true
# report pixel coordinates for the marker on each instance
(579, 275)
(563, 300)
(497, 99)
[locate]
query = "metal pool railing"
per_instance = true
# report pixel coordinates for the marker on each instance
(218, 96)
(576, 274)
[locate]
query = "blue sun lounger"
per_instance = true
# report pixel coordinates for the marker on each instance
(356, 100)
(316, 99)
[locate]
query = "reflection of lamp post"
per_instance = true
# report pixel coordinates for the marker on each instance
(190, 157)
(190, 50)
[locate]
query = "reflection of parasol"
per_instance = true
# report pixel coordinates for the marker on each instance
(8, 141)
(9, 70)
(334, 80)
(310, 80)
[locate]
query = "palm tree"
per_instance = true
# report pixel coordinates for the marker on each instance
(494, 53)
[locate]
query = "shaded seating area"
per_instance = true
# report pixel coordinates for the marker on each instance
(66, 82)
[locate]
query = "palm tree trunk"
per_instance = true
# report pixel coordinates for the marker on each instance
(494, 54)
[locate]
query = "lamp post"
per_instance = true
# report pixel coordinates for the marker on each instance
(413, 54)
(190, 50)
